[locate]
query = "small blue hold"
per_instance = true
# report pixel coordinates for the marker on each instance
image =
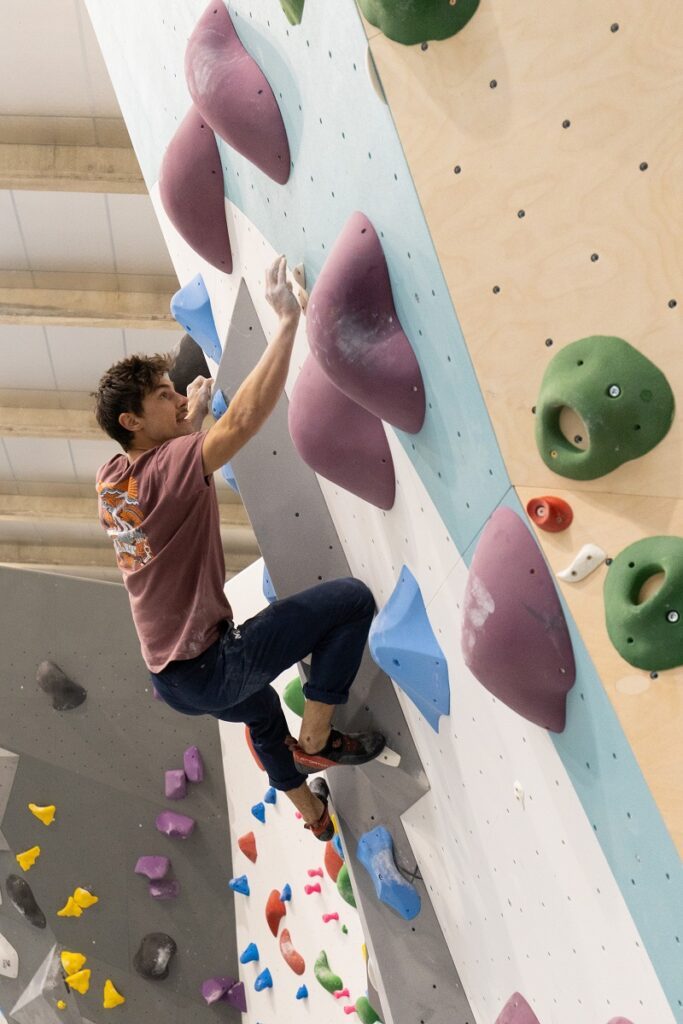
(302, 993)
(250, 954)
(229, 477)
(259, 811)
(264, 980)
(271, 796)
(240, 884)
(376, 853)
(218, 405)
(286, 893)
(336, 842)
(268, 588)
(191, 307)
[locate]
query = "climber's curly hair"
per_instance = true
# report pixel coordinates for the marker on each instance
(123, 388)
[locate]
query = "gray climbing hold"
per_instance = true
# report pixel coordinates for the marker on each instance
(178, 826)
(66, 695)
(154, 868)
(175, 784)
(154, 955)
(194, 766)
(21, 897)
(376, 853)
(8, 770)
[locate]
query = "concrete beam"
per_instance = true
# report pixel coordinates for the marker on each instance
(34, 555)
(69, 424)
(27, 508)
(70, 169)
(75, 308)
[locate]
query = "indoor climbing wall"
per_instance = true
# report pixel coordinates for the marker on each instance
(548, 823)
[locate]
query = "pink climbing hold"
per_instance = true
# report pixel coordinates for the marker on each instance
(175, 784)
(292, 958)
(339, 439)
(619, 1020)
(515, 639)
(178, 826)
(191, 190)
(298, 815)
(308, 889)
(342, 993)
(193, 764)
(355, 334)
(233, 94)
(315, 872)
(349, 1009)
(517, 1011)
(330, 917)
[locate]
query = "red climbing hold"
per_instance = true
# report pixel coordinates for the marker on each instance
(333, 861)
(250, 744)
(293, 959)
(247, 845)
(549, 513)
(275, 911)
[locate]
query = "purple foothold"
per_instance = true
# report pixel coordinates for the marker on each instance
(236, 998)
(175, 785)
(355, 334)
(164, 890)
(173, 824)
(233, 94)
(517, 1011)
(214, 989)
(515, 639)
(340, 439)
(153, 868)
(194, 766)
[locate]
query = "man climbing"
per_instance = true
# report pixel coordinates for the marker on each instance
(158, 503)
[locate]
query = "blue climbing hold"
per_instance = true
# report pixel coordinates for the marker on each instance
(336, 842)
(259, 811)
(250, 954)
(302, 993)
(271, 796)
(218, 405)
(264, 980)
(229, 477)
(402, 643)
(191, 307)
(286, 893)
(268, 588)
(240, 884)
(376, 854)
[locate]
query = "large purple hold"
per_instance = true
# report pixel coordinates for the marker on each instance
(194, 766)
(167, 889)
(514, 635)
(355, 334)
(236, 998)
(517, 1011)
(339, 439)
(233, 94)
(191, 189)
(173, 824)
(175, 784)
(153, 868)
(215, 990)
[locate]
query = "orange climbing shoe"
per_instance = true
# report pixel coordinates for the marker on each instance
(323, 828)
(341, 749)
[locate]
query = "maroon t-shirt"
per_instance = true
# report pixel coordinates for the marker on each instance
(162, 515)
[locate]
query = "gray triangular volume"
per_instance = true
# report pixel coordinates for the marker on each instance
(8, 769)
(37, 1003)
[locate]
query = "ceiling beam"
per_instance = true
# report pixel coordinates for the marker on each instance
(68, 424)
(75, 308)
(32, 555)
(110, 169)
(26, 508)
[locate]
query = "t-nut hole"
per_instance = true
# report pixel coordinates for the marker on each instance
(613, 391)
(650, 587)
(629, 639)
(573, 428)
(672, 615)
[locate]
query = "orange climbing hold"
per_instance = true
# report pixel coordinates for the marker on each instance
(275, 911)
(550, 514)
(292, 958)
(247, 844)
(333, 861)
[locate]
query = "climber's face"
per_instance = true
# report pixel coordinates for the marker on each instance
(164, 417)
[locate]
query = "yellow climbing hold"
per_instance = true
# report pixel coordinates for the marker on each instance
(71, 962)
(80, 981)
(71, 909)
(61, 1005)
(84, 898)
(44, 814)
(112, 998)
(364, 951)
(28, 858)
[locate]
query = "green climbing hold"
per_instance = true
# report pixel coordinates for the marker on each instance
(647, 630)
(293, 696)
(294, 9)
(325, 975)
(366, 1013)
(345, 930)
(624, 400)
(344, 886)
(416, 21)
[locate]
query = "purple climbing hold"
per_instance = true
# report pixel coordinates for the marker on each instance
(339, 439)
(515, 639)
(355, 334)
(236, 997)
(178, 826)
(153, 868)
(216, 989)
(167, 889)
(194, 766)
(233, 94)
(191, 190)
(175, 784)
(517, 1011)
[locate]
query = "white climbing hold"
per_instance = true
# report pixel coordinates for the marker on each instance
(589, 558)
(9, 959)
(390, 758)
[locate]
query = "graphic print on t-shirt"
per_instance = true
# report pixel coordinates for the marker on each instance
(122, 517)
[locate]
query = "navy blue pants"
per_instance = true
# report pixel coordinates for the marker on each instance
(231, 679)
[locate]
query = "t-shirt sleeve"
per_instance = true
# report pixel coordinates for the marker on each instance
(179, 464)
